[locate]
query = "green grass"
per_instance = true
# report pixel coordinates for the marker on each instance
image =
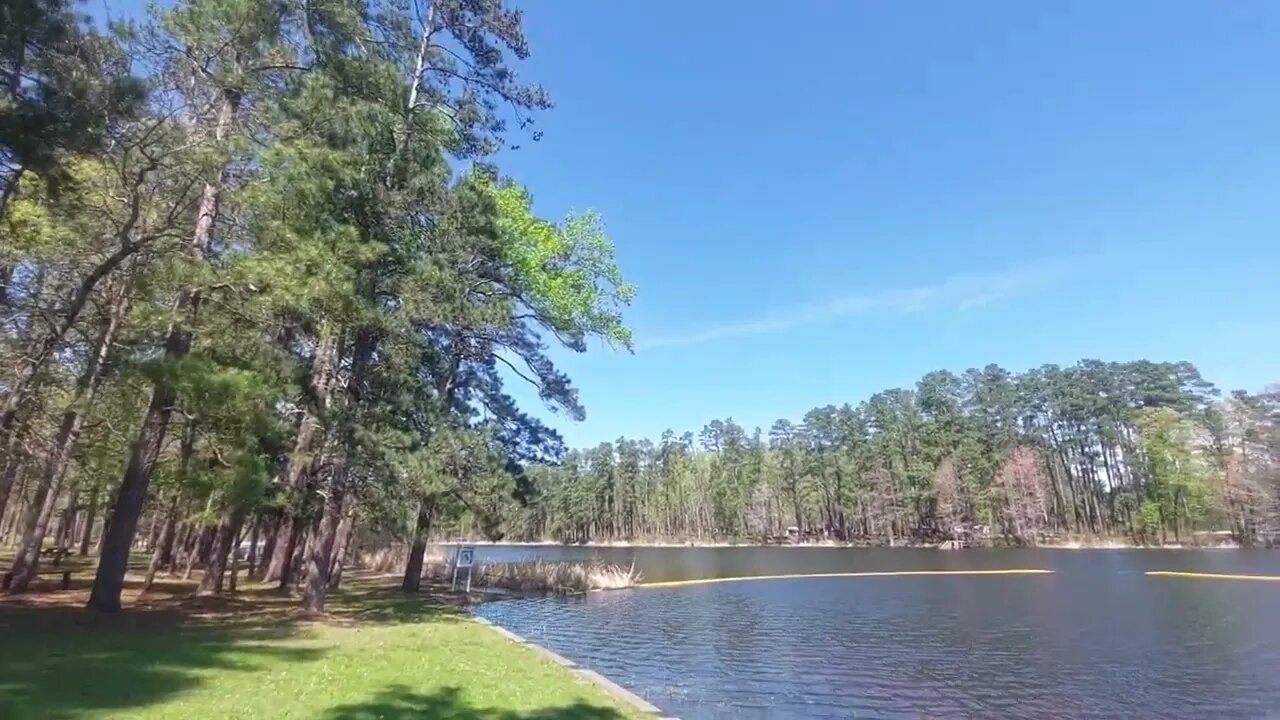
(382, 656)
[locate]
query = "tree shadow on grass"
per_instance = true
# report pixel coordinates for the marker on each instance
(398, 702)
(366, 602)
(60, 663)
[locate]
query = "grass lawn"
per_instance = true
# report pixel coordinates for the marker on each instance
(380, 655)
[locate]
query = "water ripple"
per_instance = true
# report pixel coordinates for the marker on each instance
(1087, 642)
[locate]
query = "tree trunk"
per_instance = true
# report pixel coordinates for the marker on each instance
(6, 193)
(252, 559)
(13, 459)
(234, 575)
(106, 525)
(286, 553)
(224, 538)
(114, 563)
(162, 554)
(294, 477)
(412, 581)
(179, 544)
(321, 550)
(25, 563)
(208, 539)
(199, 548)
(269, 547)
(90, 517)
(62, 537)
(345, 532)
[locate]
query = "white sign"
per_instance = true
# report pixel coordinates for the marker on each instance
(465, 558)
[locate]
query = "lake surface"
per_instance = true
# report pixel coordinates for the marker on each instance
(1096, 639)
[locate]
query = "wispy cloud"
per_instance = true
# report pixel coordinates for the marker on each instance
(960, 292)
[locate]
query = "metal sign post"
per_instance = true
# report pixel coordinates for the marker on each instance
(464, 558)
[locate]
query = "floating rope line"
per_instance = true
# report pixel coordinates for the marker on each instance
(1212, 576)
(897, 573)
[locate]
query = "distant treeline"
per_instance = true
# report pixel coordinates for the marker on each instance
(1141, 449)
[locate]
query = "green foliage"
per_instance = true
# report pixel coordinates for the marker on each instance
(297, 258)
(1055, 450)
(1177, 475)
(564, 273)
(63, 86)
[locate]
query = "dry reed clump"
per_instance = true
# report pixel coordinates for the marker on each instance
(542, 576)
(522, 576)
(392, 559)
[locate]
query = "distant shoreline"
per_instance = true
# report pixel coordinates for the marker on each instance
(1065, 545)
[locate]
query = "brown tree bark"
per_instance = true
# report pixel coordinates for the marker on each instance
(179, 545)
(90, 517)
(224, 539)
(12, 459)
(252, 559)
(109, 581)
(321, 550)
(162, 554)
(285, 560)
(412, 581)
(294, 478)
(199, 549)
(26, 562)
(269, 547)
(346, 529)
(66, 521)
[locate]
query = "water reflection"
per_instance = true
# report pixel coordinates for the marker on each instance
(1095, 639)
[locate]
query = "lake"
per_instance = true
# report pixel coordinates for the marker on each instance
(1097, 638)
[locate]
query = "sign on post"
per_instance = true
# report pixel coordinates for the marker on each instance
(464, 558)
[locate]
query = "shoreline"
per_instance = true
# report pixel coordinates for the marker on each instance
(623, 544)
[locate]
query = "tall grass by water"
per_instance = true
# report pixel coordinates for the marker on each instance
(528, 576)
(545, 576)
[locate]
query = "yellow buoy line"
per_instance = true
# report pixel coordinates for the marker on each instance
(1212, 576)
(896, 573)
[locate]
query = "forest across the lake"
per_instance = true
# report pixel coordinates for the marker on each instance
(1145, 453)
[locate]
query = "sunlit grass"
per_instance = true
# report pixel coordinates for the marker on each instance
(382, 655)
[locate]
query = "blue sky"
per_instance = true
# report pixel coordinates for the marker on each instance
(820, 200)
